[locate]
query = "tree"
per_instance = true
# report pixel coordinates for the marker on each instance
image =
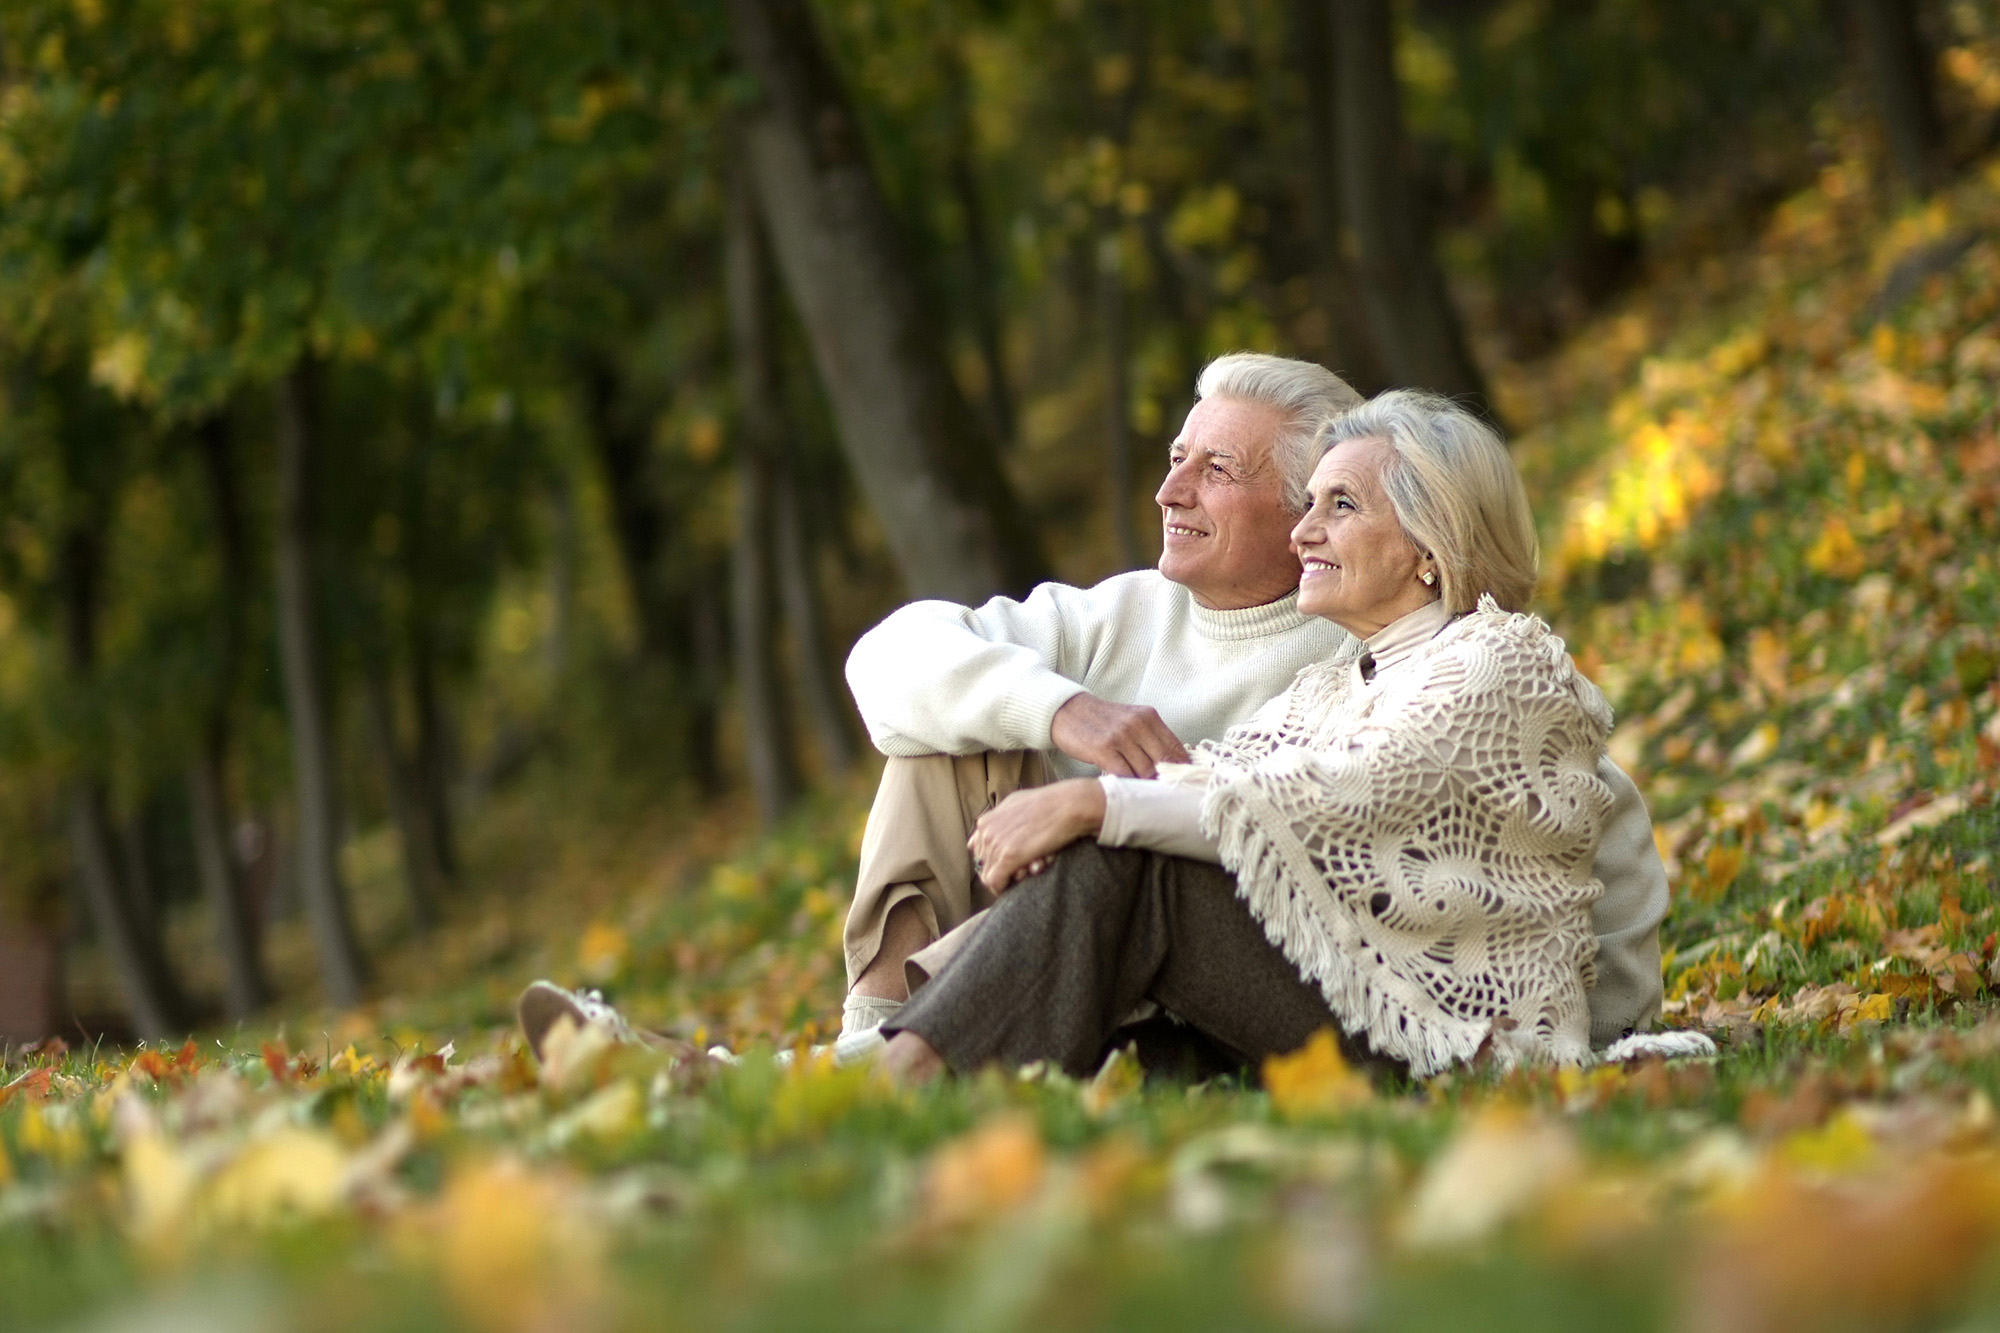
(1350, 347)
(947, 511)
(767, 741)
(1409, 309)
(307, 703)
(245, 987)
(1899, 73)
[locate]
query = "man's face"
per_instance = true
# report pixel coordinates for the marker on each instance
(1227, 531)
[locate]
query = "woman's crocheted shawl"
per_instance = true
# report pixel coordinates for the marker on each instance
(1421, 845)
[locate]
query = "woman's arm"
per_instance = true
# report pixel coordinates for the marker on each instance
(1013, 839)
(1163, 815)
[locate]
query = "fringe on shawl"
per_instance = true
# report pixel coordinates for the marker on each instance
(1332, 954)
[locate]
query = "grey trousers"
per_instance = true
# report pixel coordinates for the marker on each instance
(1064, 956)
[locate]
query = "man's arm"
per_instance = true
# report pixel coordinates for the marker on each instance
(937, 678)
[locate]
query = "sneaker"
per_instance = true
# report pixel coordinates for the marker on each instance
(544, 1002)
(1666, 1045)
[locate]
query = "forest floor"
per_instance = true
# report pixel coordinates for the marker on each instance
(1775, 549)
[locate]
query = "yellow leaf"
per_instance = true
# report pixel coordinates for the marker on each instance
(516, 1250)
(991, 1170)
(573, 1056)
(1498, 1167)
(1841, 1145)
(1759, 745)
(612, 1112)
(295, 1172)
(1119, 1077)
(1835, 552)
(604, 952)
(1315, 1079)
(1769, 662)
(159, 1187)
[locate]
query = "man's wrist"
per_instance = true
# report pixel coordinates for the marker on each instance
(1030, 708)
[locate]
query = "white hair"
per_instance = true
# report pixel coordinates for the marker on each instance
(1456, 492)
(1309, 395)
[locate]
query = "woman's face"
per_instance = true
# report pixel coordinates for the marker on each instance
(1359, 569)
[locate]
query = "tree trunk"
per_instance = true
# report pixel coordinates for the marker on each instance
(767, 741)
(1350, 349)
(419, 874)
(1899, 72)
(811, 656)
(246, 989)
(142, 894)
(1409, 308)
(433, 758)
(981, 278)
(1117, 391)
(151, 997)
(638, 521)
(946, 509)
(704, 683)
(307, 704)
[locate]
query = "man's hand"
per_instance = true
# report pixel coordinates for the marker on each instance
(1016, 838)
(1125, 740)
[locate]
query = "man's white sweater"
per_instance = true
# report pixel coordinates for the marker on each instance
(938, 678)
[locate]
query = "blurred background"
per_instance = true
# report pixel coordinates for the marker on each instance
(441, 438)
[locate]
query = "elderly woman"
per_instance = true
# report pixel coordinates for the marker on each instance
(1399, 846)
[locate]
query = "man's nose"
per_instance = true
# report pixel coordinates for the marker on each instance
(1174, 491)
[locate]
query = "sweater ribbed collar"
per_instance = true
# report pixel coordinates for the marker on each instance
(1398, 639)
(1250, 622)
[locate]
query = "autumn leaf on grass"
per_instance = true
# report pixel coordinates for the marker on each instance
(1890, 1249)
(992, 1170)
(516, 1248)
(1497, 1168)
(1118, 1078)
(1315, 1079)
(291, 1173)
(611, 1113)
(603, 953)
(575, 1057)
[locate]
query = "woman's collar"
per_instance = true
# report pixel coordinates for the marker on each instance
(1398, 639)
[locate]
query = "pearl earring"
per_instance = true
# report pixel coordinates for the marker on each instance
(1428, 577)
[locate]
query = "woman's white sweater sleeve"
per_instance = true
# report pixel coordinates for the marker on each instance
(1160, 814)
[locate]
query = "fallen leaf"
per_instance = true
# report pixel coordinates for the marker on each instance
(993, 1169)
(1500, 1165)
(1315, 1079)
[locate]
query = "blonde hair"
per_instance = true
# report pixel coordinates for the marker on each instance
(1309, 395)
(1455, 491)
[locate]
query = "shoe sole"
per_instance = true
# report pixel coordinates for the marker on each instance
(540, 1005)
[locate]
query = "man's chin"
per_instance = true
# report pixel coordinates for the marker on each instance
(1178, 567)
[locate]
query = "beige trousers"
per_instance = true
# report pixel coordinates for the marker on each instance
(914, 849)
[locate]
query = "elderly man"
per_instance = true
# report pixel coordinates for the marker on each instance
(970, 704)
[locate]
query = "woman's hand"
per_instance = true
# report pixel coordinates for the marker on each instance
(1017, 837)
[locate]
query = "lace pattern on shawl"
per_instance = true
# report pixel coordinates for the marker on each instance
(1421, 847)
